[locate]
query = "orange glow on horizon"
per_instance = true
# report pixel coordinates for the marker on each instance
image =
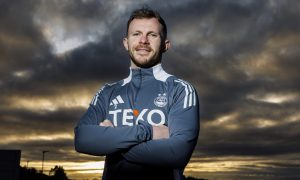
(196, 166)
(36, 137)
(90, 169)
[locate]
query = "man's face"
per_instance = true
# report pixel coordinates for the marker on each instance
(144, 42)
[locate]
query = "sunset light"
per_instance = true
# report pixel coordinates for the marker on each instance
(75, 170)
(241, 57)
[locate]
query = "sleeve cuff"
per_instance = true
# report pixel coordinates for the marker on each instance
(144, 132)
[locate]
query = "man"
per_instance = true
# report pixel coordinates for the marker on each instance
(147, 124)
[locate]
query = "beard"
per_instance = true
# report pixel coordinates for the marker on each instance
(146, 62)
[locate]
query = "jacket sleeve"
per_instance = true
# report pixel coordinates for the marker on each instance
(183, 123)
(90, 138)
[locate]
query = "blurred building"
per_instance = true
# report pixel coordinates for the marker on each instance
(10, 164)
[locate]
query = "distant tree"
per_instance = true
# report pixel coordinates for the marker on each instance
(58, 173)
(31, 174)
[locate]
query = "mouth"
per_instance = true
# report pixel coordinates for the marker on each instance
(143, 50)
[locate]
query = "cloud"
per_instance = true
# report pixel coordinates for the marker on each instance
(241, 56)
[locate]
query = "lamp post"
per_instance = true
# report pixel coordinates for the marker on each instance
(43, 162)
(27, 170)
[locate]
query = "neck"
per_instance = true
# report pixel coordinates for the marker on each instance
(134, 66)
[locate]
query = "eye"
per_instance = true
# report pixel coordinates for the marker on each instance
(135, 34)
(153, 34)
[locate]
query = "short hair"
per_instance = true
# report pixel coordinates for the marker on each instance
(146, 12)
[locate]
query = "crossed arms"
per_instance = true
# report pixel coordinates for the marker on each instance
(145, 144)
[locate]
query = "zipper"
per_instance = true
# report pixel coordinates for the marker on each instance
(141, 77)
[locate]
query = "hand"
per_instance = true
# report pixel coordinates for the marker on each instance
(160, 132)
(106, 123)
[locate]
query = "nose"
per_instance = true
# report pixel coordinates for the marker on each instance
(144, 39)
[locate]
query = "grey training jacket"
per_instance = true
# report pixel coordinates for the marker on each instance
(146, 97)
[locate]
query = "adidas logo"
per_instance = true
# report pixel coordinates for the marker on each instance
(116, 101)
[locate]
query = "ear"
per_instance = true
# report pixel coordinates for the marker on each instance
(167, 45)
(125, 43)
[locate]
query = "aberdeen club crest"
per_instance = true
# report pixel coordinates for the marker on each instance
(161, 100)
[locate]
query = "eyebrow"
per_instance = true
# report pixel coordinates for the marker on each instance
(139, 31)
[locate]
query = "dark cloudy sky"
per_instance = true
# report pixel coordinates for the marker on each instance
(241, 55)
